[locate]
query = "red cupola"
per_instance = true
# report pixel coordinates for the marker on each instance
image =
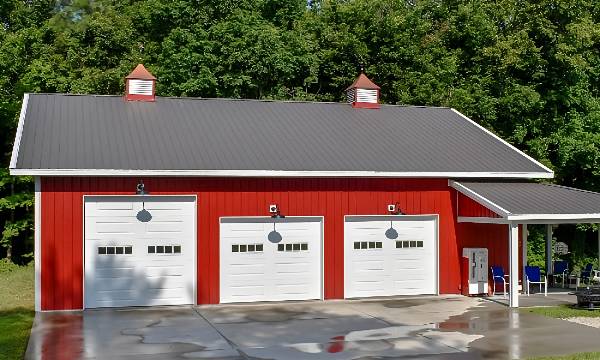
(363, 93)
(140, 85)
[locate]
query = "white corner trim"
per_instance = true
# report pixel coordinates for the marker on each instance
(17, 144)
(277, 173)
(478, 198)
(504, 142)
(37, 249)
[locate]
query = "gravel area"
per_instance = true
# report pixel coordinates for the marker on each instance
(589, 321)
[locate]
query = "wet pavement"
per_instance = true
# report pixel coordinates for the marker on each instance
(556, 296)
(445, 327)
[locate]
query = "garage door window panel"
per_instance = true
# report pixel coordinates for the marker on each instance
(164, 249)
(367, 245)
(246, 248)
(406, 244)
(292, 247)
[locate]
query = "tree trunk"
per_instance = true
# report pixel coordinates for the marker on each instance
(12, 220)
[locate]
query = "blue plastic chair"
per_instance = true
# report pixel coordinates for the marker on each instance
(498, 276)
(586, 274)
(561, 270)
(533, 275)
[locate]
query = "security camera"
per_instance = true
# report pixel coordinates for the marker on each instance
(273, 209)
(392, 208)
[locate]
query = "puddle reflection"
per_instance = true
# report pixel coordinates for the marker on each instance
(61, 337)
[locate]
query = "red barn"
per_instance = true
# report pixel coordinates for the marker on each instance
(144, 200)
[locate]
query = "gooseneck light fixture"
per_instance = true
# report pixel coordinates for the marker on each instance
(274, 236)
(391, 233)
(142, 215)
(140, 188)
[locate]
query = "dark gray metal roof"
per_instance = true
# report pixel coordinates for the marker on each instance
(105, 132)
(534, 198)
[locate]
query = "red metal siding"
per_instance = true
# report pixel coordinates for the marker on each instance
(62, 222)
(494, 237)
(471, 208)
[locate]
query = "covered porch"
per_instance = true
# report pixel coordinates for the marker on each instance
(518, 204)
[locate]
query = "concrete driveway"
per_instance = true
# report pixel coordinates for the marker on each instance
(445, 327)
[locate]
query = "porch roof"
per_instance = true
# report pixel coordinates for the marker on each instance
(527, 202)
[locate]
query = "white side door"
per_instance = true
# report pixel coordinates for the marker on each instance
(253, 268)
(376, 265)
(129, 262)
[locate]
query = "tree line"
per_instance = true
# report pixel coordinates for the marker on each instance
(527, 70)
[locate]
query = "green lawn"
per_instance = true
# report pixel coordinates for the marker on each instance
(563, 311)
(16, 310)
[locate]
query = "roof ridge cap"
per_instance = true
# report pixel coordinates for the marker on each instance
(571, 188)
(249, 100)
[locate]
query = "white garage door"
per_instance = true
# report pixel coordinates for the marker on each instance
(254, 268)
(377, 265)
(133, 260)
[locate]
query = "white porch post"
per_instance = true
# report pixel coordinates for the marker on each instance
(549, 269)
(513, 256)
(599, 245)
(524, 235)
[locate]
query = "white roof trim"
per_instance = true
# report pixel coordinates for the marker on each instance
(553, 217)
(274, 173)
(505, 142)
(478, 198)
(482, 220)
(550, 219)
(17, 144)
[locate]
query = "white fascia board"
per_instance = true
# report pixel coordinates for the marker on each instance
(478, 198)
(17, 144)
(558, 222)
(506, 143)
(534, 219)
(274, 173)
(482, 220)
(556, 217)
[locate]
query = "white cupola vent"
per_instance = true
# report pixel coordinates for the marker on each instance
(140, 87)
